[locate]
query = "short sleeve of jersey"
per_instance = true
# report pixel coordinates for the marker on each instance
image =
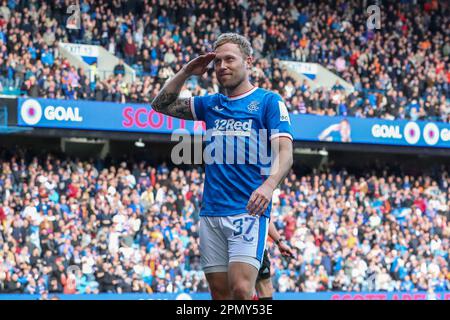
(277, 117)
(199, 105)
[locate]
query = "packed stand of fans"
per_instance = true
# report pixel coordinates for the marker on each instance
(112, 229)
(399, 71)
(68, 226)
(384, 232)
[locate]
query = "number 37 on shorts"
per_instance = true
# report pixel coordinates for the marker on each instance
(247, 235)
(244, 223)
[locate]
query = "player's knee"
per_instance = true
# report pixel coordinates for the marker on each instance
(242, 290)
(219, 291)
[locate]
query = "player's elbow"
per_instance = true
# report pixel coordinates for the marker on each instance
(156, 106)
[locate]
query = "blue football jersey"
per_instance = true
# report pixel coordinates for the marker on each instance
(237, 152)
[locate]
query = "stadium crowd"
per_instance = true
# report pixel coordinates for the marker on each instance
(400, 71)
(70, 226)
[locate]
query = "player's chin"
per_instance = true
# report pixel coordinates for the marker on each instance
(228, 83)
(224, 83)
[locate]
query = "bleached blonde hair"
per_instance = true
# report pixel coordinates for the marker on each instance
(241, 41)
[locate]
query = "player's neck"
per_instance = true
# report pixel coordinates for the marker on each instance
(242, 88)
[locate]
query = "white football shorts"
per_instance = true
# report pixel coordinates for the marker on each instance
(238, 238)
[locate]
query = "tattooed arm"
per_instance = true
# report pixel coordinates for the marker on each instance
(167, 101)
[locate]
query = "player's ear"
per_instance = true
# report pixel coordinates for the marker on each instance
(248, 62)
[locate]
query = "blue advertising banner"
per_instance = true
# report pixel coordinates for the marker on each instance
(106, 116)
(277, 296)
(371, 131)
(103, 116)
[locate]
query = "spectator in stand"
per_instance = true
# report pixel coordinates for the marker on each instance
(119, 68)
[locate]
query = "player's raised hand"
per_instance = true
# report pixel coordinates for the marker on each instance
(259, 200)
(199, 65)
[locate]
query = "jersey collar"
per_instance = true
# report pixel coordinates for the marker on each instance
(243, 95)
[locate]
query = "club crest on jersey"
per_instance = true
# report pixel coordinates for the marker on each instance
(253, 106)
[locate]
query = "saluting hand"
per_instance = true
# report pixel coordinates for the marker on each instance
(199, 65)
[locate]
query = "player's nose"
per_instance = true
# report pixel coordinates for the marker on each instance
(221, 66)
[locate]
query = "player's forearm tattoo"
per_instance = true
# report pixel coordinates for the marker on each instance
(168, 103)
(163, 100)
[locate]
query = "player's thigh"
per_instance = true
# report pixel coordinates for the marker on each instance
(242, 278)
